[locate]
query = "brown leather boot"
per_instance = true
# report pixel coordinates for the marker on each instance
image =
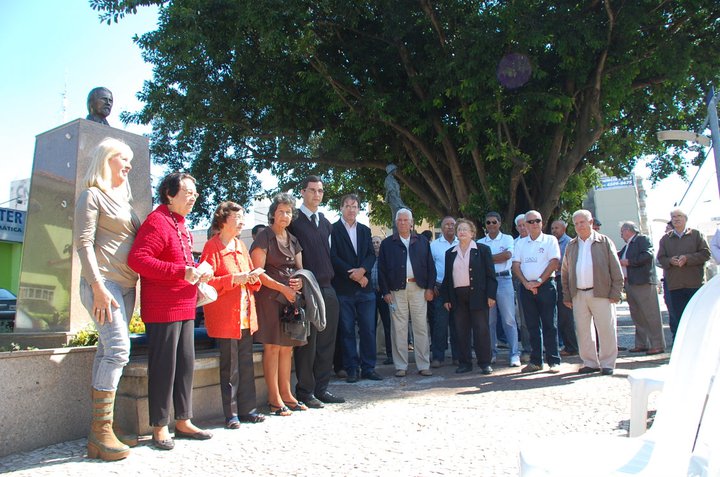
(102, 442)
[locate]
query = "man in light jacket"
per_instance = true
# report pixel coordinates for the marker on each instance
(592, 281)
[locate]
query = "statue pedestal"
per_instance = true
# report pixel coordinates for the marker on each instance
(48, 299)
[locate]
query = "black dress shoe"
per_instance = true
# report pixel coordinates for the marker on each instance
(330, 398)
(607, 371)
(313, 402)
(487, 369)
(201, 435)
(464, 368)
(372, 376)
(587, 370)
(352, 376)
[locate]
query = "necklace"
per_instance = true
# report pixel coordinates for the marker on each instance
(182, 242)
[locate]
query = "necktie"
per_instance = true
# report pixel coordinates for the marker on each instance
(313, 218)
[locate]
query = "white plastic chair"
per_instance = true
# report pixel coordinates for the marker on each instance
(667, 447)
(643, 382)
(705, 460)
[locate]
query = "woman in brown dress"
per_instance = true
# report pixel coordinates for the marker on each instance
(278, 252)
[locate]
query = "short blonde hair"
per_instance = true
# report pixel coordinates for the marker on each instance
(98, 172)
(469, 223)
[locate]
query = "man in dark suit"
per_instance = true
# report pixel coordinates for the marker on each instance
(353, 257)
(638, 263)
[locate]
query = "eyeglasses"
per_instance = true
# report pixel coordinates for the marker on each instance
(533, 221)
(312, 190)
(491, 222)
(189, 193)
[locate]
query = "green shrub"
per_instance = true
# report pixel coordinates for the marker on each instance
(87, 336)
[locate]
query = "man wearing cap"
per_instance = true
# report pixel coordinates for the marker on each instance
(682, 254)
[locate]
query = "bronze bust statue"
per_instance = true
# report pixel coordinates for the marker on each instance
(99, 105)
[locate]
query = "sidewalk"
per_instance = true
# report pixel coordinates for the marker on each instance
(446, 424)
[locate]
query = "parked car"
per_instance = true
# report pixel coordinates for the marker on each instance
(8, 306)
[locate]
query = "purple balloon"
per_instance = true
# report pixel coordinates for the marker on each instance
(514, 70)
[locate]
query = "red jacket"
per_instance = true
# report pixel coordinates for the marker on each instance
(157, 256)
(222, 317)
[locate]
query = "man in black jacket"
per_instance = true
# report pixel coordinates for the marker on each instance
(638, 262)
(353, 257)
(406, 273)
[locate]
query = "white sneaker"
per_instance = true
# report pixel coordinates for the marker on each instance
(515, 362)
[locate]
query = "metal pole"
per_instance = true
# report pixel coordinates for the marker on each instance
(714, 131)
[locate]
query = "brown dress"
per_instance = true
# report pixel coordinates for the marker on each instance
(279, 265)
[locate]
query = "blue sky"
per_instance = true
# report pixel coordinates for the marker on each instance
(49, 47)
(52, 46)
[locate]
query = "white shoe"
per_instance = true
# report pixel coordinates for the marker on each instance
(515, 362)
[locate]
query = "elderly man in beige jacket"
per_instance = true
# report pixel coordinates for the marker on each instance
(592, 278)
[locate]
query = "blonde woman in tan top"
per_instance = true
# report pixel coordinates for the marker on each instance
(105, 227)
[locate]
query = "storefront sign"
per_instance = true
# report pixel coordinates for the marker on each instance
(12, 225)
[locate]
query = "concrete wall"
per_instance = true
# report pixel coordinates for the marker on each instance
(45, 395)
(44, 398)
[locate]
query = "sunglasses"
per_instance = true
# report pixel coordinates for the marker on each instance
(491, 222)
(533, 221)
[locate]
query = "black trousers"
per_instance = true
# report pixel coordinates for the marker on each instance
(171, 362)
(383, 309)
(237, 375)
(314, 361)
(473, 324)
(566, 321)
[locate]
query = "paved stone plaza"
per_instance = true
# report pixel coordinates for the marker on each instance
(446, 424)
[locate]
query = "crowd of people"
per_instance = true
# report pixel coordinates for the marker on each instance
(312, 292)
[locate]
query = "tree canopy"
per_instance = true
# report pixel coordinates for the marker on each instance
(482, 105)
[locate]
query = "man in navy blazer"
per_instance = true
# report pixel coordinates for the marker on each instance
(353, 257)
(638, 262)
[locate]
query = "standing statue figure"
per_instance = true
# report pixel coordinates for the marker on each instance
(392, 192)
(99, 105)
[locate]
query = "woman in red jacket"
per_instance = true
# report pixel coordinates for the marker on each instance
(162, 256)
(232, 318)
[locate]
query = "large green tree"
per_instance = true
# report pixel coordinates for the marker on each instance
(504, 105)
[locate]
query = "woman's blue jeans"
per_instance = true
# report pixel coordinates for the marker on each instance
(113, 348)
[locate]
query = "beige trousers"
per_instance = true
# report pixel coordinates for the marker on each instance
(589, 310)
(410, 303)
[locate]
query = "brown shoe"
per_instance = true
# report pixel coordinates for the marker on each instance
(638, 350)
(652, 351)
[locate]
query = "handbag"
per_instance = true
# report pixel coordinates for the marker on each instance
(205, 294)
(293, 322)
